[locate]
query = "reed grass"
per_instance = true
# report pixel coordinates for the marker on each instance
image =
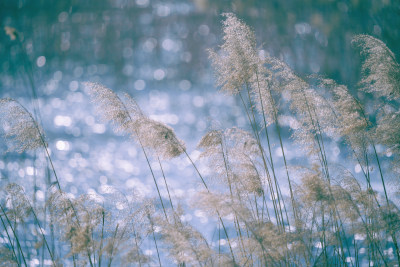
(272, 211)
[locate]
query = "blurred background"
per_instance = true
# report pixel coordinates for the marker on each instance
(156, 50)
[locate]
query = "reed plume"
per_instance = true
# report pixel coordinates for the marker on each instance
(381, 72)
(20, 129)
(128, 118)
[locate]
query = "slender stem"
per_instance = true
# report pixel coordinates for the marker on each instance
(43, 235)
(9, 240)
(236, 222)
(101, 238)
(154, 179)
(219, 215)
(198, 172)
(392, 234)
(112, 246)
(15, 235)
(137, 248)
(166, 184)
(147, 159)
(271, 188)
(154, 238)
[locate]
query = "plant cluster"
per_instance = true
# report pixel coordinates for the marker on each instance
(316, 214)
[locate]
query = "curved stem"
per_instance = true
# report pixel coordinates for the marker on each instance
(15, 235)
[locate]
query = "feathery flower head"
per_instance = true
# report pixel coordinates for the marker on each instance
(388, 129)
(185, 243)
(210, 139)
(109, 105)
(159, 137)
(17, 203)
(20, 129)
(349, 111)
(315, 188)
(7, 257)
(132, 107)
(156, 135)
(381, 72)
(128, 118)
(283, 77)
(238, 65)
(211, 202)
(242, 141)
(238, 59)
(232, 154)
(60, 204)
